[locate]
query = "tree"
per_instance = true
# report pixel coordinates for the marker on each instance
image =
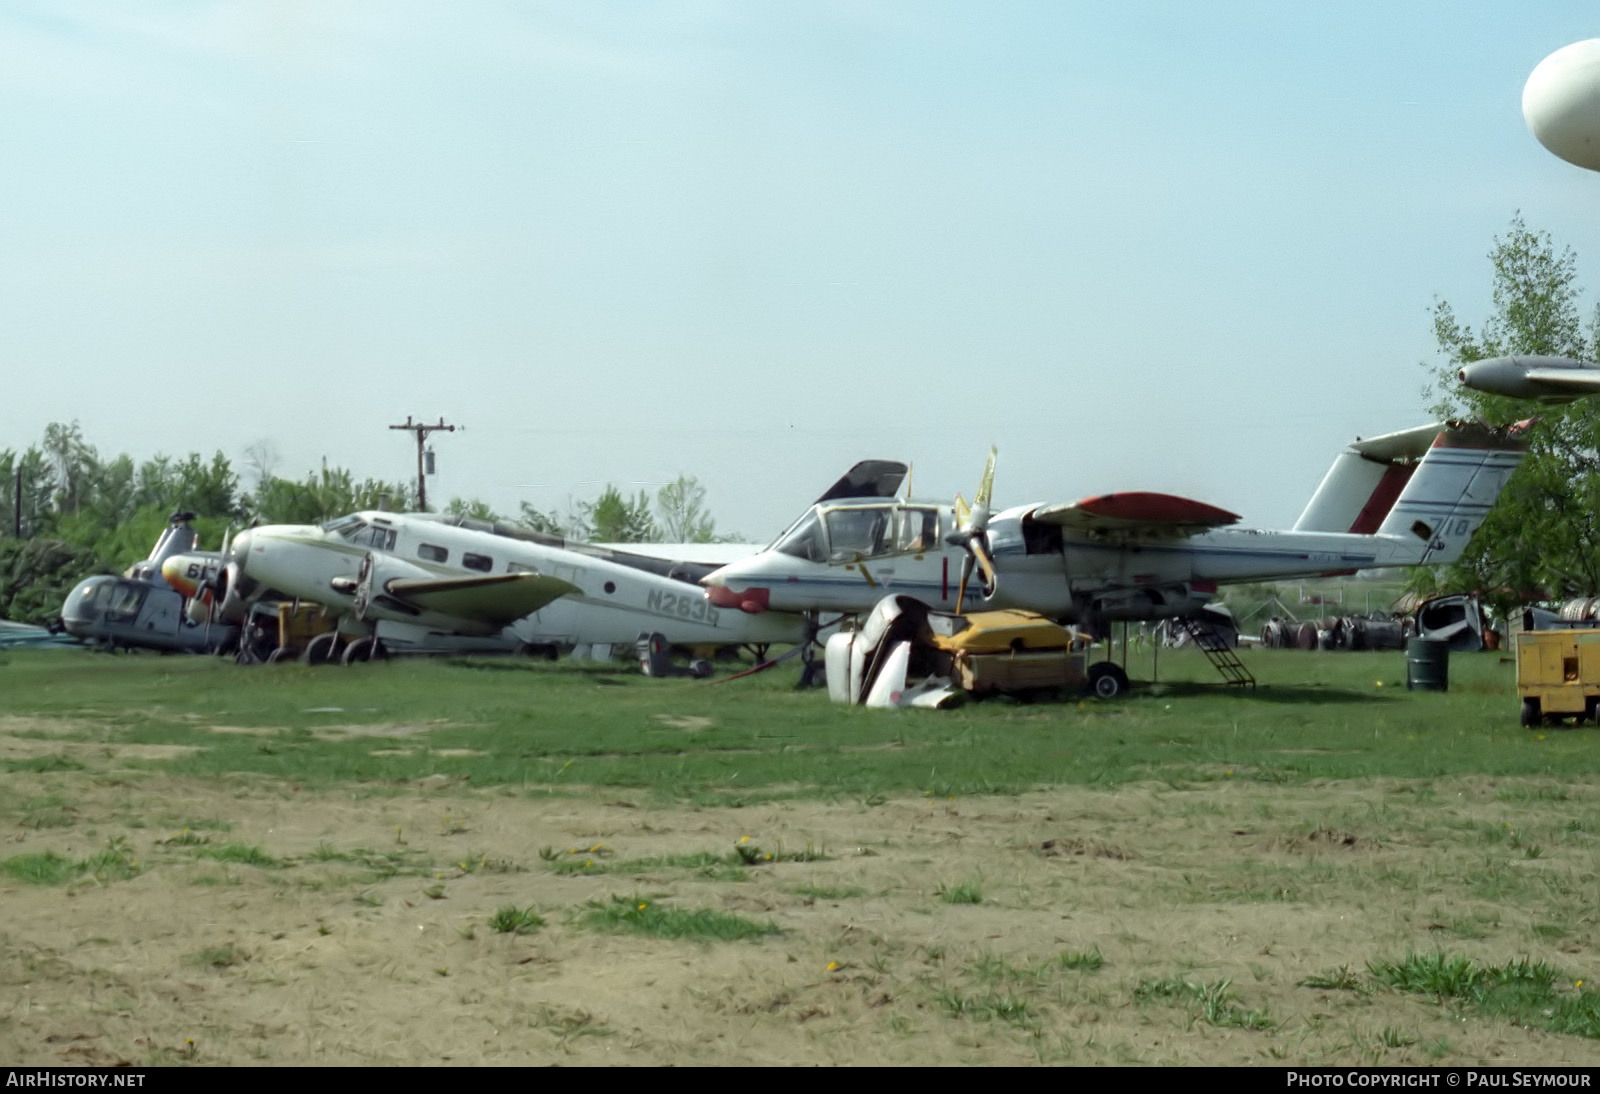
(538, 521)
(611, 518)
(474, 508)
(681, 508)
(1542, 539)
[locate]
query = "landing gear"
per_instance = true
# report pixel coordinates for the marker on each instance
(811, 669)
(322, 649)
(1107, 680)
(364, 649)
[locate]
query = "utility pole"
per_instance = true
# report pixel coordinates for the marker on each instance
(422, 429)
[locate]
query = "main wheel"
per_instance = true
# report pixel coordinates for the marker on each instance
(364, 649)
(282, 654)
(1106, 680)
(1530, 712)
(322, 649)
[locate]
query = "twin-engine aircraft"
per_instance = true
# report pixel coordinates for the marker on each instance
(1402, 499)
(423, 581)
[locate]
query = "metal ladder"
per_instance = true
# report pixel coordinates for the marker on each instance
(1222, 656)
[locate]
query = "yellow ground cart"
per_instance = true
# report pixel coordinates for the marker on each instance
(1010, 651)
(1558, 675)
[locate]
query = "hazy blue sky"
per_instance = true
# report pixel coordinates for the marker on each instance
(1172, 246)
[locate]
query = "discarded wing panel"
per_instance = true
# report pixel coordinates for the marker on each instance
(1456, 619)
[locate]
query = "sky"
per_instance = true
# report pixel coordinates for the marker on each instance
(1181, 247)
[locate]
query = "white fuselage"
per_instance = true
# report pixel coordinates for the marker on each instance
(1063, 579)
(614, 603)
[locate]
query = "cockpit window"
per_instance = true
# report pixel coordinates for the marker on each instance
(916, 530)
(863, 532)
(362, 534)
(123, 607)
(804, 540)
(338, 527)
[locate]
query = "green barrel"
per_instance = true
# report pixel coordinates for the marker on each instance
(1427, 665)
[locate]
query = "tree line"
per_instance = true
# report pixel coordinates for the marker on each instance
(66, 512)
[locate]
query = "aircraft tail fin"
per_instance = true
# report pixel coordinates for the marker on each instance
(868, 479)
(1365, 481)
(1450, 493)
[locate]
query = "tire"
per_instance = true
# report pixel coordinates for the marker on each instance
(322, 649)
(282, 654)
(1106, 680)
(363, 649)
(1530, 712)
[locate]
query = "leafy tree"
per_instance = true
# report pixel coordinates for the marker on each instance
(475, 508)
(321, 496)
(681, 508)
(75, 462)
(612, 518)
(1543, 536)
(536, 520)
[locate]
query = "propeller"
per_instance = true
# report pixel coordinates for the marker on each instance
(972, 533)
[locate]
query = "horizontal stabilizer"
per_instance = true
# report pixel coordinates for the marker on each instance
(1135, 514)
(495, 599)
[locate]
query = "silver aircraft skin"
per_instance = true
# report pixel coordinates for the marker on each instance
(142, 609)
(1405, 499)
(423, 576)
(1547, 379)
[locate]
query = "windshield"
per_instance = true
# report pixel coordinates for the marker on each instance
(123, 605)
(804, 540)
(338, 527)
(853, 532)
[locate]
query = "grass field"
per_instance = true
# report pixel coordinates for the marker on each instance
(504, 862)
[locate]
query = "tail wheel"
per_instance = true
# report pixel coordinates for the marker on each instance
(1106, 680)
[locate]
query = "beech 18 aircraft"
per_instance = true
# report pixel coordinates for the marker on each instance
(1402, 499)
(430, 581)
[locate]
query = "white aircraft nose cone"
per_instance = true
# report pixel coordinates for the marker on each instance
(1561, 103)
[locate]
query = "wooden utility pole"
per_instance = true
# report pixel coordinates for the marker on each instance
(422, 429)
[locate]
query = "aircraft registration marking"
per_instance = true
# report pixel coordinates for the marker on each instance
(682, 606)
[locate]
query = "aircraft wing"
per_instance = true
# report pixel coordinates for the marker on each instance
(1134, 515)
(493, 598)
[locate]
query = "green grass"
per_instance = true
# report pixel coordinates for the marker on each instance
(644, 915)
(510, 919)
(115, 863)
(964, 892)
(245, 854)
(1530, 993)
(1216, 1002)
(767, 742)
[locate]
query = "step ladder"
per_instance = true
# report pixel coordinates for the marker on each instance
(1223, 657)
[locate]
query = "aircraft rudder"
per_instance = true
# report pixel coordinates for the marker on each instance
(1452, 490)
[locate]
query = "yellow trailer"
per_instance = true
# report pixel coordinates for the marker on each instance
(1558, 675)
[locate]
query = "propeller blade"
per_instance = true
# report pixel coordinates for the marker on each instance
(966, 572)
(986, 484)
(980, 551)
(962, 512)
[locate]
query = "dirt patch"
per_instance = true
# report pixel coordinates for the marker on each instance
(1324, 838)
(1073, 847)
(379, 729)
(353, 925)
(689, 722)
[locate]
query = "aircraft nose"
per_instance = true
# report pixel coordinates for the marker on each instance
(240, 547)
